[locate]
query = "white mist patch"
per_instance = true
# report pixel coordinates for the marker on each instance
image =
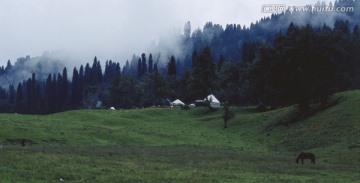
(24, 67)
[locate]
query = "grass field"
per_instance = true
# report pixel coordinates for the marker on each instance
(173, 145)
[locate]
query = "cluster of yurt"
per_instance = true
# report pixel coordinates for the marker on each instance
(214, 102)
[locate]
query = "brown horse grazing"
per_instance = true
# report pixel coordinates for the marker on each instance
(305, 155)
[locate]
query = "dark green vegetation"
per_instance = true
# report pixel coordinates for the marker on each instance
(302, 66)
(173, 145)
(273, 62)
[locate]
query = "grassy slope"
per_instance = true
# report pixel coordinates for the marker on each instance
(148, 145)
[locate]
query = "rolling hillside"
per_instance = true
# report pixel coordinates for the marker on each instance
(173, 145)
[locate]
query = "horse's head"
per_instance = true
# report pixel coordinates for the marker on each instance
(297, 160)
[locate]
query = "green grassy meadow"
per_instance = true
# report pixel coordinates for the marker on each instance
(173, 145)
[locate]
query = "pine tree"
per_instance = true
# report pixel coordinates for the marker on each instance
(29, 97)
(96, 73)
(59, 93)
(81, 74)
(81, 83)
(19, 104)
(35, 95)
(75, 89)
(88, 75)
(49, 94)
(126, 68)
(64, 87)
(150, 63)
(2, 70)
(171, 67)
(8, 67)
(139, 69)
(143, 64)
(107, 72)
(117, 70)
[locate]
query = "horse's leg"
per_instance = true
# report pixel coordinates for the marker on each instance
(302, 161)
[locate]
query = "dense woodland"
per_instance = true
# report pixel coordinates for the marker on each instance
(297, 64)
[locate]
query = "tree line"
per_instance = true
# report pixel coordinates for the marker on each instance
(302, 65)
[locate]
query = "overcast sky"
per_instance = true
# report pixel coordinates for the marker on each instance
(111, 29)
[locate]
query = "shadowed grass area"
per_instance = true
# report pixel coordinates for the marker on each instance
(173, 145)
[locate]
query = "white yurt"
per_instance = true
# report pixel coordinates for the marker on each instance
(177, 103)
(214, 102)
